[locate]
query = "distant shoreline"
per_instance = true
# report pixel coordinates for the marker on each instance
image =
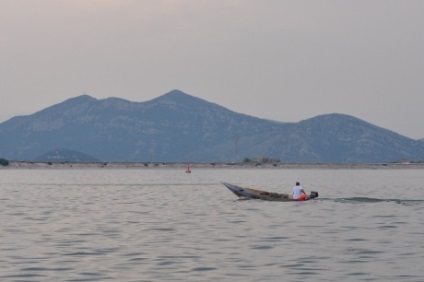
(149, 165)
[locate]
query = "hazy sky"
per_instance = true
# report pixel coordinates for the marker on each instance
(274, 59)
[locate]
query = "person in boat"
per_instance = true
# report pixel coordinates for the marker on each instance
(298, 192)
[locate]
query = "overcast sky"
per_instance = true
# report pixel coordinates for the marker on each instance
(274, 59)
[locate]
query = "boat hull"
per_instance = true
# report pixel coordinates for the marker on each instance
(250, 193)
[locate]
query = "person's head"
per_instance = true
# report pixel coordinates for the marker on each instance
(297, 183)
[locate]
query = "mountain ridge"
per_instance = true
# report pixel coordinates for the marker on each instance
(178, 127)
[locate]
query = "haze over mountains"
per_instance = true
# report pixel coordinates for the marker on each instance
(177, 127)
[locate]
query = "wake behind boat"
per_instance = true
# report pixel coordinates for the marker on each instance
(250, 193)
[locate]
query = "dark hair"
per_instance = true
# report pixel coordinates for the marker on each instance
(297, 183)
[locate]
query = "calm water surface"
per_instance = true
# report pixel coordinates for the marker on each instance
(166, 225)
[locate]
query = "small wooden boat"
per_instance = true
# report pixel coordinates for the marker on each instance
(250, 193)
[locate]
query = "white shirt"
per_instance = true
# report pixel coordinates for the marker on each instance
(297, 191)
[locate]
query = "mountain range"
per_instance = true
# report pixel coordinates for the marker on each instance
(177, 127)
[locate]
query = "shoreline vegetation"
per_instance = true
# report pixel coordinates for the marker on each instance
(182, 166)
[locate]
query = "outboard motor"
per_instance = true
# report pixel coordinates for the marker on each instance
(313, 194)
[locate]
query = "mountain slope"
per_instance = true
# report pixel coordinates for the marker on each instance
(177, 127)
(343, 138)
(173, 127)
(64, 155)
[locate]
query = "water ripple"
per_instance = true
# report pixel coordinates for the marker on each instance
(164, 225)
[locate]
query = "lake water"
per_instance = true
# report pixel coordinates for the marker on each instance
(166, 225)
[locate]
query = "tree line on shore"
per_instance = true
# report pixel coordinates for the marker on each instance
(4, 162)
